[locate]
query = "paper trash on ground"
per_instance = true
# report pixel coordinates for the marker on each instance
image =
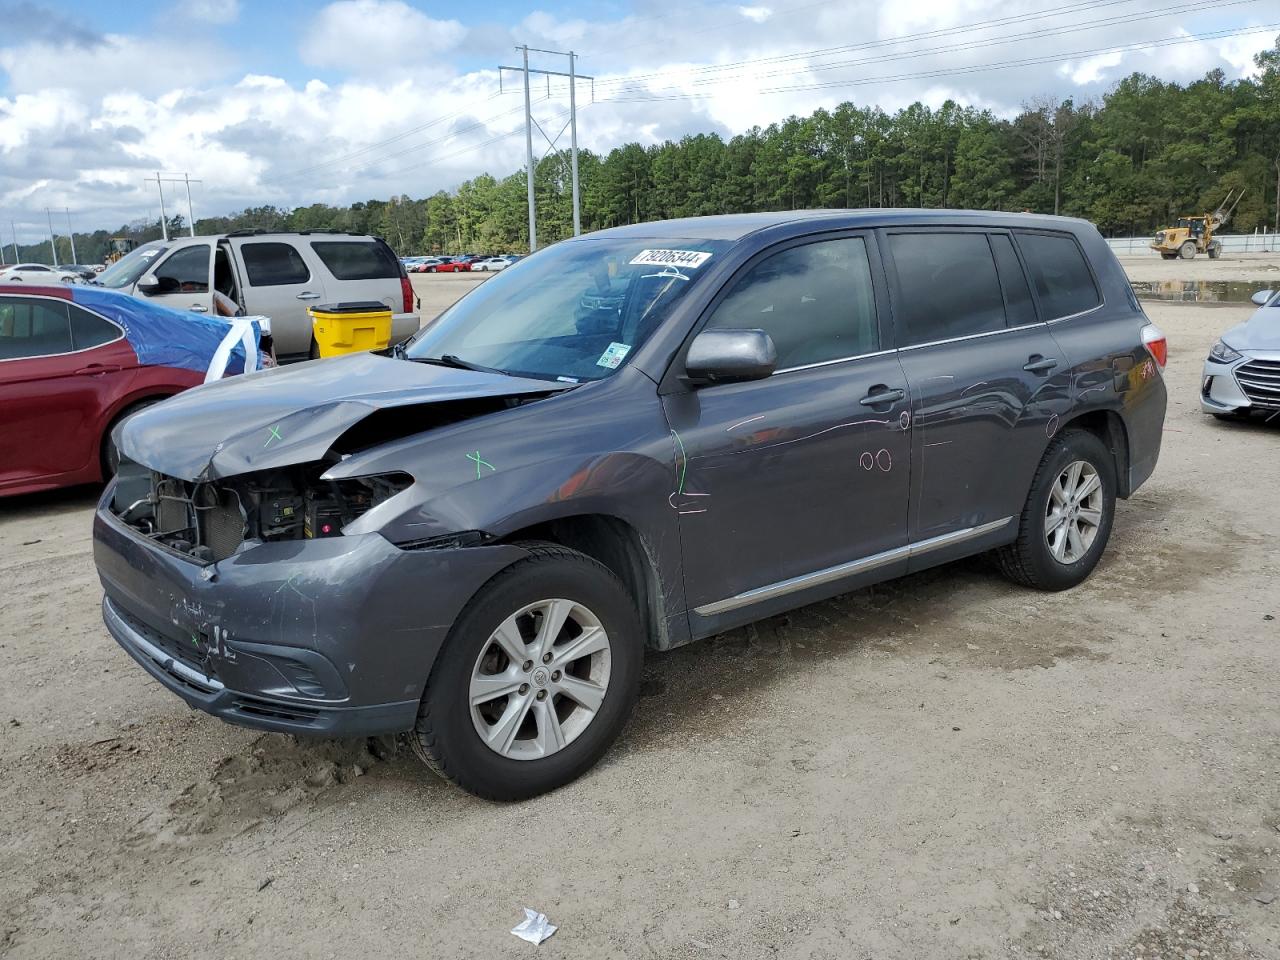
(535, 927)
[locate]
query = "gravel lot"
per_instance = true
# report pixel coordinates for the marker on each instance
(944, 766)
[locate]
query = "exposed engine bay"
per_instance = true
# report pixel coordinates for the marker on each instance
(210, 520)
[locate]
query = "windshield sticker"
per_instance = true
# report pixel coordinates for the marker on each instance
(567, 379)
(613, 355)
(674, 258)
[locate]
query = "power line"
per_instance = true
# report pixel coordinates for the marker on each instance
(960, 47)
(382, 143)
(974, 68)
(1082, 6)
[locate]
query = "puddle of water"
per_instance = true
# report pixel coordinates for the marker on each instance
(1197, 291)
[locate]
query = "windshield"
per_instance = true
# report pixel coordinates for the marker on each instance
(126, 271)
(574, 312)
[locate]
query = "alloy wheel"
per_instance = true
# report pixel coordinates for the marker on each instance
(540, 679)
(1073, 514)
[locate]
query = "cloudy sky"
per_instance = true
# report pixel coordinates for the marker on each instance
(291, 102)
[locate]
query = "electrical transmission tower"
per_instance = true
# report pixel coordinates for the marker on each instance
(164, 222)
(530, 123)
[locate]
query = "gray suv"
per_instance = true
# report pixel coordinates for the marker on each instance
(623, 443)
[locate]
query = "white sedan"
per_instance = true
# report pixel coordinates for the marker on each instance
(490, 263)
(36, 273)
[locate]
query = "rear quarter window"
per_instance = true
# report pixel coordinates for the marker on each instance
(1062, 278)
(357, 259)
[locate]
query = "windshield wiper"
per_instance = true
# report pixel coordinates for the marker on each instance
(455, 361)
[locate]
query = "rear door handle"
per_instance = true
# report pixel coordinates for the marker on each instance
(880, 394)
(1039, 364)
(95, 369)
(308, 295)
(198, 308)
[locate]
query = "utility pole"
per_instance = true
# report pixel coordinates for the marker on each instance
(528, 153)
(13, 232)
(164, 221)
(53, 241)
(72, 235)
(573, 141)
(191, 216)
(530, 123)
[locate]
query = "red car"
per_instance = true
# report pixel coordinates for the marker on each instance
(69, 371)
(452, 266)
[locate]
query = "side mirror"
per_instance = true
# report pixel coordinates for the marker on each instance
(150, 286)
(1262, 296)
(726, 356)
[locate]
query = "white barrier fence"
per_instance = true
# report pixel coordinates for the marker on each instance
(1231, 243)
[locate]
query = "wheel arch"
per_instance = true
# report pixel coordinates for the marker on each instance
(121, 409)
(619, 546)
(1108, 426)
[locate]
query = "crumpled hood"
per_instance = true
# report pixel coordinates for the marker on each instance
(293, 414)
(1260, 332)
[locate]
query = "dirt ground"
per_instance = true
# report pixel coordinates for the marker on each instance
(1264, 267)
(946, 766)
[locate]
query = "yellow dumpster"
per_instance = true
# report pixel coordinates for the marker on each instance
(351, 326)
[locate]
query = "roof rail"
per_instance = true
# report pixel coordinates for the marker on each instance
(247, 232)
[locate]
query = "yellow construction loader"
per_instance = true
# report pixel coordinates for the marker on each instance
(119, 247)
(1195, 235)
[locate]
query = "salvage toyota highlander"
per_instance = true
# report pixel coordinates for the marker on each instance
(628, 441)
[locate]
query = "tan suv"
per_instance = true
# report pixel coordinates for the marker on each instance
(276, 275)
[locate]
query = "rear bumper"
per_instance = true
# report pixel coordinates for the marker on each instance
(403, 326)
(333, 637)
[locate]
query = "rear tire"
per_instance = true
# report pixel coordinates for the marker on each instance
(1047, 555)
(1187, 251)
(1168, 256)
(542, 737)
(1215, 251)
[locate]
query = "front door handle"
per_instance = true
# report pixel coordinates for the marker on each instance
(308, 295)
(96, 369)
(881, 394)
(1039, 364)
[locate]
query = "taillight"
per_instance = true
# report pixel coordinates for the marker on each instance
(1157, 345)
(406, 291)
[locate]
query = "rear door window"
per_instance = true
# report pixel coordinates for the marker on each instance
(357, 259)
(33, 327)
(1061, 276)
(273, 264)
(815, 301)
(947, 287)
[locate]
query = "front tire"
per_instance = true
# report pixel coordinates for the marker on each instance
(536, 679)
(1187, 251)
(1067, 519)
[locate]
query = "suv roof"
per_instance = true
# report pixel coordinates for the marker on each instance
(735, 226)
(206, 237)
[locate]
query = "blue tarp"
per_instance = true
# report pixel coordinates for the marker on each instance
(161, 336)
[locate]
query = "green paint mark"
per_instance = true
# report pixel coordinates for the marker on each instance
(194, 642)
(684, 461)
(480, 463)
(275, 435)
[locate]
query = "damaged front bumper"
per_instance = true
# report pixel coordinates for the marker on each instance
(331, 637)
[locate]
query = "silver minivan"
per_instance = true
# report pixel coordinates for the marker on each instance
(276, 275)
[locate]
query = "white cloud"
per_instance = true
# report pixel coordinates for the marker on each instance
(376, 36)
(117, 62)
(1091, 69)
(756, 14)
(83, 121)
(209, 11)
